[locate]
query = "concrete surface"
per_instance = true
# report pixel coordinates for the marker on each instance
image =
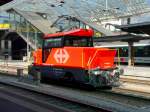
(139, 71)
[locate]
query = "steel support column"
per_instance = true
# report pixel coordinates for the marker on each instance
(10, 48)
(2, 48)
(35, 38)
(2, 44)
(15, 21)
(130, 54)
(27, 29)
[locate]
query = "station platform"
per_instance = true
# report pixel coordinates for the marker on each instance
(12, 66)
(16, 63)
(137, 71)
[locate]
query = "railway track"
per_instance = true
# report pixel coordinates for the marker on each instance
(107, 98)
(126, 82)
(138, 86)
(42, 103)
(28, 101)
(134, 79)
(133, 93)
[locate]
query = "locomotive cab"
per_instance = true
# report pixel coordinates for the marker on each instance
(71, 57)
(61, 41)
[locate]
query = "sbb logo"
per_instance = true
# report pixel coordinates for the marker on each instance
(61, 56)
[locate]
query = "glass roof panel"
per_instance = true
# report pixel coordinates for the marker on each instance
(100, 9)
(89, 10)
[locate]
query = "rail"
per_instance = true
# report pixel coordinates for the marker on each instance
(36, 103)
(44, 102)
(135, 80)
(102, 99)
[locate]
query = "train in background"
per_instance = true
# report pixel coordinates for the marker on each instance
(70, 57)
(141, 53)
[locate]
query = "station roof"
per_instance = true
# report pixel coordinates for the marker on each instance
(92, 12)
(123, 38)
(76, 32)
(135, 33)
(138, 28)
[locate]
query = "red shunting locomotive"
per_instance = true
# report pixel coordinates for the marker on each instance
(71, 57)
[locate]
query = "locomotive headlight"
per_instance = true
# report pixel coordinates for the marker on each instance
(97, 72)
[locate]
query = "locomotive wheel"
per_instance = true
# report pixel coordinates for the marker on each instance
(68, 77)
(106, 87)
(43, 79)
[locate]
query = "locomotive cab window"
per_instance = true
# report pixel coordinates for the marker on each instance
(50, 43)
(68, 41)
(78, 41)
(53, 42)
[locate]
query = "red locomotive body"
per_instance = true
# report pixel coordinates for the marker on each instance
(71, 57)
